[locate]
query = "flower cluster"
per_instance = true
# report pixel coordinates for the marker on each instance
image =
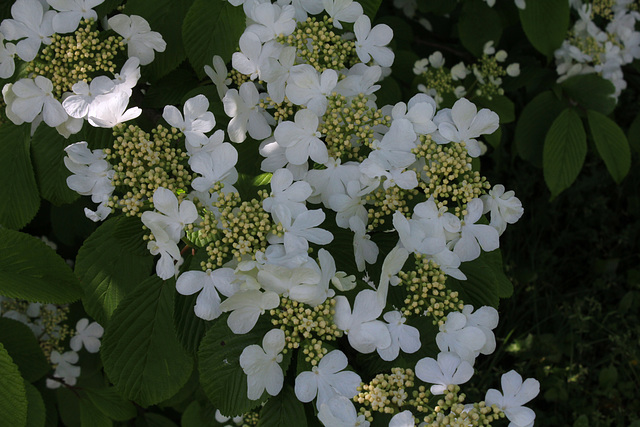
(339, 168)
(483, 79)
(602, 40)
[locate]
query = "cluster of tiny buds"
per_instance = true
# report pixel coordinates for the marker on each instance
(438, 81)
(251, 419)
(385, 203)
(239, 229)
(386, 393)
(301, 322)
(427, 294)
(144, 162)
(78, 56)
(314, 351)
(50, 320)
(447, 173)
(454, 413)
(280, 112)
(318, 45)
(604, 8)
(348, 125)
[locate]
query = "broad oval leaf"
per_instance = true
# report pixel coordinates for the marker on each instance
(545, 22)
(47, 151)
(112, 261)
(282, 409)
(211, 27)
(24, 349)
(31, 270)
(140, 351)
(110, 403)
(36, 413)
(533, 124)
(591, 92)
(18, 188)
(611, 143)
(13, 398)
(565, 149)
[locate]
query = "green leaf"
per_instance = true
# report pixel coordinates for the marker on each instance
(478, 24)
(565, 149)
(222, 378)
(581, 421)
(31, 270)
(211, 27)
(24, 349)
(18, 188)
(157, 420)
(370, 7)
(611, 143)
(47, 151)
(501, 105)
(68, 404)
(545, 22)
(481, 286)
(189, 327)
(111, 404)
(112, 261)
(282, 409)
(91, 416)
(140, 351)
(36, 414)
(495, 138)
(634, 134)
(13, 398)
(533, 124)
(165, 17)
(591, 91)
(170, 89)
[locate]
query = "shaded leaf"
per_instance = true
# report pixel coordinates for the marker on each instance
(13, 398)
(565, 149)
(111, 404)
(478, 24)
(140, 351)
(591, 91)
(611, 143)
(24, 349)
(36, 414)
(282, 409)
(31, 270)
(18, 188)
(545, 22)
(112, 261)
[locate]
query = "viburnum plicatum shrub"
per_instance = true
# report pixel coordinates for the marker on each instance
(276, 243)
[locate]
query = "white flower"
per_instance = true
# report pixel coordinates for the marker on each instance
(34, 96)
(253, 56)
(218, 75)
(327, 380)
(403, 337)
(463, 123)
(110, 109)
(448, 370)
(516, 394)
(306, 86)
(197, 118)
(287, 193)
(170, 258)
(301, 139)
(300, 230)
(486, 319)
(276, 73)
(460, 338)
(247, 307)
(342, 10)
(78, 104)
(261, 365)
(92, 174)
(88, 335)
(403, 419)
(32, 23)
(245, 114)
(271, 21)
(71, 12)
(393, 263)
(364, 331)
(339, 411)
(7, 62)
(137, 34)
(208, 283)
(364, 249)
(474, 236)
(173, 216)
(505, 208)
(64, 368)
(371, 43)
(215, 165)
